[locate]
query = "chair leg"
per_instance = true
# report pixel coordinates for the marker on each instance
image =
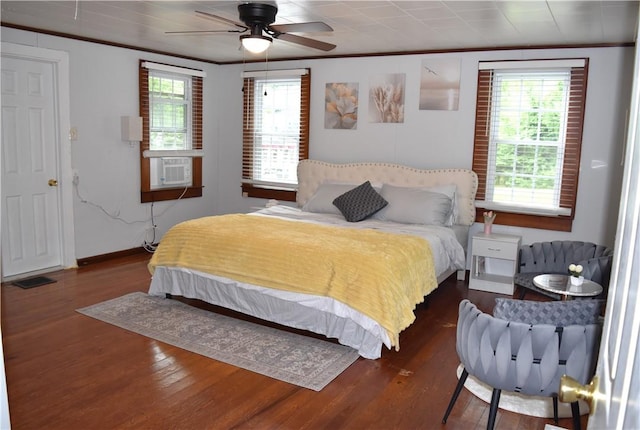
(523, 292)
(575, 411)
(555, 409)
(456, 393)
(493, 409)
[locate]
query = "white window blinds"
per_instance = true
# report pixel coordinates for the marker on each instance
(171, 107)
(528, 137)
(275, 127)
(173, 69)
(526, 152)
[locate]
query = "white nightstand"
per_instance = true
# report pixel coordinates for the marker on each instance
(502, 251)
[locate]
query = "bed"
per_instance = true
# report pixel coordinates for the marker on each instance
(308, 267)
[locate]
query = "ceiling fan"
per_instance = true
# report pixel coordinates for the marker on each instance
(257, 19)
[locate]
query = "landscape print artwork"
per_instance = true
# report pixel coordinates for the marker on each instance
(440, 84)
(386, 98)
(341, 106)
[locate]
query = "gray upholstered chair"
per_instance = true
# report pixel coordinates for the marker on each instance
(555, 257)
(529, 358)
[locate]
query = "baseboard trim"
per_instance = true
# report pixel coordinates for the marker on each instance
(110, 256)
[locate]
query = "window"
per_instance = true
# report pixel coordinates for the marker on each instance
(171, 149)
(528, 137)
(275, 132)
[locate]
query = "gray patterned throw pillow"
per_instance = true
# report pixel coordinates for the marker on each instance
(360, 202)
(559, 314)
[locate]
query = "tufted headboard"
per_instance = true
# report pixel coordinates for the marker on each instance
(312, 173)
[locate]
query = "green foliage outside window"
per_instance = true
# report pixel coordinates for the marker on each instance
(168, 113)
(169, 88)
(528, 128)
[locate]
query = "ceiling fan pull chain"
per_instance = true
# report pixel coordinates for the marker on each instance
(266, 72)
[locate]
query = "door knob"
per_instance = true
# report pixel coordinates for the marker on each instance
(571, 390)
(53, 183)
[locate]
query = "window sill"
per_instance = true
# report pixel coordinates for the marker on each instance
(544, 222)
(557, 223)
(170, 194)
(525, 210)
(192, 153)
(249, 190)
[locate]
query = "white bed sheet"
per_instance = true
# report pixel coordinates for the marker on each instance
(448, 253)
(322, 315)
(317, 314)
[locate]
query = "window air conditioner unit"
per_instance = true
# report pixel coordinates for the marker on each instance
(176, 171)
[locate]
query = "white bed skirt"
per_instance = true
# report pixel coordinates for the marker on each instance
(322, 315)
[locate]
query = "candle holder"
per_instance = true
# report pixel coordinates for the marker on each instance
(489, 217)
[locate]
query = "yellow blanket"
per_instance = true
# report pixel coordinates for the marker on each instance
(382, 275)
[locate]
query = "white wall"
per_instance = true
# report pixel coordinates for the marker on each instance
(104, 86)
(440, 139)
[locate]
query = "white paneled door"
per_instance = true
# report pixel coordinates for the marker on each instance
(31, 239)
(617, 395)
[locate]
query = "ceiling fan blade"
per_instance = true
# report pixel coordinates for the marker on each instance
(220, 18)
(204, 32)
(302, 27)
(305, 41)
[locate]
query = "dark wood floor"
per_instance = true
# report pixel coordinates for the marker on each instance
(68, 371)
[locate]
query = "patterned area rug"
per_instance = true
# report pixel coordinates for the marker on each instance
(300, 360)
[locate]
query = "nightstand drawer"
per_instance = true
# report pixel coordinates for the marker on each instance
(495, 249)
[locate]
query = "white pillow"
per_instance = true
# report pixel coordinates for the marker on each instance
(322, 200)
(450, 191)
(415, 206)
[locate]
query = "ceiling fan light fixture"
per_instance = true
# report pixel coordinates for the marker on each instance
(256, 43)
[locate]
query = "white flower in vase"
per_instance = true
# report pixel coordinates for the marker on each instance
(575, 270)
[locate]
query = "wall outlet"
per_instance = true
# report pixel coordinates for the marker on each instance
(76, 177)
(73, 133)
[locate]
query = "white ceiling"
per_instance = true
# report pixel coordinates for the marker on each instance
(360, 27)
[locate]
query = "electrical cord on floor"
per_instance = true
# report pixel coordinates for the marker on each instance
(149, 247)
(152, 246)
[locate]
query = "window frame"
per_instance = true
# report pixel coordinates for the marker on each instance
(572, 150)
(147, 194)
(266, 191)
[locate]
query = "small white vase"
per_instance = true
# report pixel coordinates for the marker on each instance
(576, 280)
